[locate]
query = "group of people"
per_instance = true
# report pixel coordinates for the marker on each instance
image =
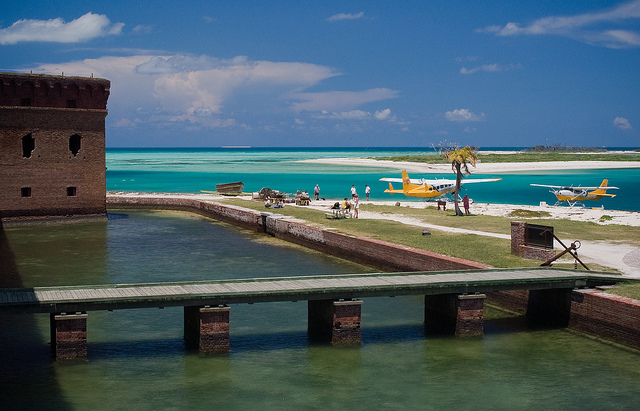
(346, 204)
(354, 193)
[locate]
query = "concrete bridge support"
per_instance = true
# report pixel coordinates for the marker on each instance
(68, 336)
(207, 328)
(549, 308)
(335, 322)
(458, 314)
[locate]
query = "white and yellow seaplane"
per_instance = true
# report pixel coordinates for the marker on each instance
(574, 195)
(412, 187)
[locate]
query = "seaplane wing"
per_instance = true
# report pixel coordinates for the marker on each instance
(422, 181)
(479, 180)
(413, 187)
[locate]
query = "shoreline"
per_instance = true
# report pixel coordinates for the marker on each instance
(584, 214)
(481, 168)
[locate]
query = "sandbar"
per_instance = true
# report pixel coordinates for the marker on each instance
(480, 168)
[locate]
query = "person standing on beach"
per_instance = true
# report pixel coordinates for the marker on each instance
(316, 191)
(465, 202)
(367, 190)
(353, 191)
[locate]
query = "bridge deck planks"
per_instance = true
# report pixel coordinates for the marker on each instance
(49, 299)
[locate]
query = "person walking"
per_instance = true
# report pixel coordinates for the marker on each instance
(353, 191)
(367, 190)
(316, 191)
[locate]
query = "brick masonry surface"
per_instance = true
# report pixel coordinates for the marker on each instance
(44, 171)
(606, 315)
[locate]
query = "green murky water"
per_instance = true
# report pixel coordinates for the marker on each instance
(137, 358)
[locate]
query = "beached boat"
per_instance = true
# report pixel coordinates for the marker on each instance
(230, 188)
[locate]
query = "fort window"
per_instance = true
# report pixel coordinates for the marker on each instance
(71, 103)
(28, 145)
(74, 144)
(71, 191)
(25, 192)
(25, 102)
(44, 89)
(57, 88)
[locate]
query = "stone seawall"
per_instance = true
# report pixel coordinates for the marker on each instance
(593, 311)
(606, 315)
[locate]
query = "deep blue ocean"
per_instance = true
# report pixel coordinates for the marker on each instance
(191, 170)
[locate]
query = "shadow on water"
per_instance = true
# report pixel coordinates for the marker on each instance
(271, 342)
(24, 355)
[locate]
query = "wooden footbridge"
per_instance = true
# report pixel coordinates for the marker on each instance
(453, 301)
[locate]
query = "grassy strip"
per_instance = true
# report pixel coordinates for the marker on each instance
(576, 230)
(522, 157)
(488, 250)
(630, 290)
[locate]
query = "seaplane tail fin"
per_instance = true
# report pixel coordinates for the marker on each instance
(602, 190)
(406, 181)
(392, 190)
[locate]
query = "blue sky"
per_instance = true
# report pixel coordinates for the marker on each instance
(344, 74)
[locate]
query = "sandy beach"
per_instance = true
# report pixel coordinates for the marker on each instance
(481, 168)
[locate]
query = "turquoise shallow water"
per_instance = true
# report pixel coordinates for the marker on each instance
(137, 358)
(193, 170)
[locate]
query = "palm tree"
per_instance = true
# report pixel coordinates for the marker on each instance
(460, 158)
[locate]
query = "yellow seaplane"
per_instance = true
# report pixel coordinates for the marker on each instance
(412, 187)
(573, 195)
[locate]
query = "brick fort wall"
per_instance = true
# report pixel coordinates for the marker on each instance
(52, 145)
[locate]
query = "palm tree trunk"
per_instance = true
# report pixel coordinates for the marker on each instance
(457, 191)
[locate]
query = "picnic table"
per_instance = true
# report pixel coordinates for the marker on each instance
(337, 213)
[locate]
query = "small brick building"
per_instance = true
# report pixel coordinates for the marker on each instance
(52, 145)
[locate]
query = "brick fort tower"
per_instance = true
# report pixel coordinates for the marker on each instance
(52, 145)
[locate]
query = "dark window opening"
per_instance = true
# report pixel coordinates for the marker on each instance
(71, 104)
(74, 144)
(28, 145)
(25, 102)
(71, 191)
(25, 192)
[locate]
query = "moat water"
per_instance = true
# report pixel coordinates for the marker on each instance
(137, 359)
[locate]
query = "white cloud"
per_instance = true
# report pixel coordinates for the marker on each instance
(622, 123)
(140, 28)
(193, 89)
(587, 27)
(81, 29)
(490, 68)
(339, 100)
(463, 115)
(348, 115)
(383, 114)
(346, 16)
